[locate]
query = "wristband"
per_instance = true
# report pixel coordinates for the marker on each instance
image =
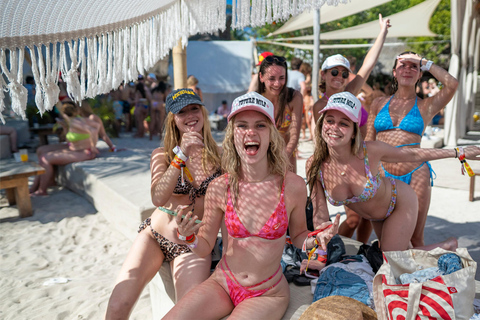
(427, 66)
(175, 165)
(183, 238)
(464, 164)
(113, 149)
(178, 151)
(193, 244)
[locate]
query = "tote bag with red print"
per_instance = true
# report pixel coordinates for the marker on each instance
(443, 297)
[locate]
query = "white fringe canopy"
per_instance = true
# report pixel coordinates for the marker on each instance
(97, 44)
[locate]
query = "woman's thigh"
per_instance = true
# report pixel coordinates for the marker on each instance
(397, 229)
(65, 156)
(206, 301)
(271, 305)
(51, 147)
(188, 271)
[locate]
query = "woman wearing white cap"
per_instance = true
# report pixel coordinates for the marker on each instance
(335, 78)
(400, 121)
(181, 173)
(257, 199)
(344, 173)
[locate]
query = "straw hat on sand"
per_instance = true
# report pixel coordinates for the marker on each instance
(338, 308)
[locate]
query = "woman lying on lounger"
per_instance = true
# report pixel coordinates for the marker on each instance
(248, 282)
(181, 172)
(344, 173)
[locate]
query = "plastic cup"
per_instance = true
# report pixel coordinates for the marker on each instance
(23, 155)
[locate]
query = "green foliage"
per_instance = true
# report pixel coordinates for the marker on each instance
(431, 47)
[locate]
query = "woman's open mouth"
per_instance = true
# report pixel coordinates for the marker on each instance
(251, 148)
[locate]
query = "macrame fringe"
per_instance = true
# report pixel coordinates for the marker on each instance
(261, 12)
(98, 64)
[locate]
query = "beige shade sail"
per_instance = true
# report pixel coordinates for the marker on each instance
(327, 14)
(412, 22)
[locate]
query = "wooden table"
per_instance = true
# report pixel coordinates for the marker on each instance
(14, 178)
(472, 185)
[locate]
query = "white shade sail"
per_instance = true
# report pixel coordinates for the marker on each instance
(97, 44)
(327, 14)
(412, 22)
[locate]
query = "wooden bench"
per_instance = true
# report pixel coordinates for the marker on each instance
(14, 178)
(472, 185)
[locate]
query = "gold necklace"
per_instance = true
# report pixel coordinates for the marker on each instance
(256, 181)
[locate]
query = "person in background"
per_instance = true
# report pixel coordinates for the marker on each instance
(143, 100)
(192, 83)
(296, 79)
(288, 103)
(254, 81)
(308, 101)
(11, 132)
(82, 137)
(151, 81)
(188, 144)
(400, 121)
(223, 110)
(157, 112)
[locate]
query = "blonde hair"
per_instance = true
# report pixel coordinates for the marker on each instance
(192, 81)
(277, 158)
(210, 155)
(321, 154)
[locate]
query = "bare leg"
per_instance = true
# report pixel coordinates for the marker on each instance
(188, 271)
(143, 260)
(347, 227)
(12, 135)
(421, 185)
(364, 230)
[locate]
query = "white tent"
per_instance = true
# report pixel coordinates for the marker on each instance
(464, 65)
(109, 41)
(223, 69)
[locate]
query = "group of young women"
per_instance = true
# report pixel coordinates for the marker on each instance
(247, 189)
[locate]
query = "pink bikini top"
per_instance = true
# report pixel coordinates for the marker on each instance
(274, 228)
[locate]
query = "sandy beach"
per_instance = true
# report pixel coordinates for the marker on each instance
(62, 262)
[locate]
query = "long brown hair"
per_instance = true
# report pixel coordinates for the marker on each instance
(277, 159)
(321, 153)
(210, 155)
(286, 95)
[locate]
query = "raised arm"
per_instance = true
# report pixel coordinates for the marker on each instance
(370, 59)
(296, 106)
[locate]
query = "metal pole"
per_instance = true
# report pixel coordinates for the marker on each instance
(316, 53)
(179, 58)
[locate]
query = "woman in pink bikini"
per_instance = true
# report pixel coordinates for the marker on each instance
(344, 173)
(258, 198)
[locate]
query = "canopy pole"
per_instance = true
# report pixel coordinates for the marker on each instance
(179, 58)
(316, 53)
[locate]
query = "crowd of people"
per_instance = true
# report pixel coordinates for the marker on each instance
(367, 158)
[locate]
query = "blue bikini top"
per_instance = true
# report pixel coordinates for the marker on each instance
(412, 122)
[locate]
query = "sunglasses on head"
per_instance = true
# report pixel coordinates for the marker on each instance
(272, 59)
(335, 72)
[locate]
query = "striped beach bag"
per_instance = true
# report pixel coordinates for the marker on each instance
(444, 297)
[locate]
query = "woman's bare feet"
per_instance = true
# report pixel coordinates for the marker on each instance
(38, 194)
(451, 244)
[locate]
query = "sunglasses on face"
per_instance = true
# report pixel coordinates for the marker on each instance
(335, 72)
(272, 59)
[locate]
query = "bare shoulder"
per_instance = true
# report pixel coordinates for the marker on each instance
(216, 189)
(378, 104)
(295, 185)
(158, 152)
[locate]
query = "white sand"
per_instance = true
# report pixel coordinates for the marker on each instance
(66, 238)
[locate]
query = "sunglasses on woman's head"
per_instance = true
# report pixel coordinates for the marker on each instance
(335, 72)
(272, 59)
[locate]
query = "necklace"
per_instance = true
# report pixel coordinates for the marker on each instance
(256, 181)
